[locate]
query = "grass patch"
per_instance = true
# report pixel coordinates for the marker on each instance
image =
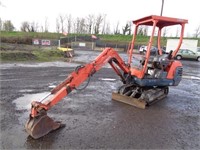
(26, 37)
(48, 55)
(16, 34)
(16, 56)
(36, 55)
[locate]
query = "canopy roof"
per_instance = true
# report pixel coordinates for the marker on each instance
(162, 21)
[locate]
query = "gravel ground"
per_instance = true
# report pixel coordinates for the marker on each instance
(92, 119)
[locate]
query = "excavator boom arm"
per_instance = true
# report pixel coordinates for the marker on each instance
(81, 73)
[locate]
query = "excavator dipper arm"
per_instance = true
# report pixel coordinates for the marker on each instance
(39, 123)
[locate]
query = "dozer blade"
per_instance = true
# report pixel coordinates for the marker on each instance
(129, 100)
(39, 126)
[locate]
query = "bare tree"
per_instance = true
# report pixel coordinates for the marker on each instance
(69, 23)
(25, 27)
(116, 29)
(130, 30)
(46, 24)
(29, 27)
(126, 28)
(42, 28)
(8, 26)
(1, 24)
(77, 25)
(143, 30)
(90, 23)
(74, 26)
(177, 31)
(107, 30)
(57, 25)
(33, 26)
(164, 33)
(98, 22)
(197, 32)
(140, 30)
(62, 22)
(82, 26)
(104, 24)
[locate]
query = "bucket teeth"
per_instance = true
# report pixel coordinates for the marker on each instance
(41, 125)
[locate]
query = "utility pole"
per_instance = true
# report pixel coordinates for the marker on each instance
(161, 12)
(162, 7)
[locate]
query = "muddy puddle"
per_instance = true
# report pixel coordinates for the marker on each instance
(191, 77)
(107, 79)
(24, 102)
(36, 65)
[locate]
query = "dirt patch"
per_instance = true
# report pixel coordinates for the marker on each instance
(23, 47)
(17, 56)
(22, 52)
(36, 55)
(17, 40)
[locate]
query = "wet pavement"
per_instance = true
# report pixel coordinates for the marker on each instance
(92, 119)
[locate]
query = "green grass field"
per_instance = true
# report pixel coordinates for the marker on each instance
(5, 34)
(35, 55)
(51, 55)
(117, 39)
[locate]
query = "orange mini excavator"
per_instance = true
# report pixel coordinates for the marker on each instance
(141, 85)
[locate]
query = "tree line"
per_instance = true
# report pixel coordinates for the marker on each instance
(90, 24)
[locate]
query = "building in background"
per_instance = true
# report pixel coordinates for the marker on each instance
(186, 44)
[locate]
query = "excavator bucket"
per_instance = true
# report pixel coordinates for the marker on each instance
(41, 125)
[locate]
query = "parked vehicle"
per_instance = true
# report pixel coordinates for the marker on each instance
(142, 49)
(187, 54)
(154, 50)
(198, 50)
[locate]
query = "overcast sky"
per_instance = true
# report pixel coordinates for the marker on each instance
(116, 10)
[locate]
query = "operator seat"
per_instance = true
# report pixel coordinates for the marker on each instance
(157, 65)
(162, 61)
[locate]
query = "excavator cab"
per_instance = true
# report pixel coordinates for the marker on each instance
(152, 64)
(141, 86)
(149, 81)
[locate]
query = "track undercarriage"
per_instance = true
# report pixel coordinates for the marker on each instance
(140, 96)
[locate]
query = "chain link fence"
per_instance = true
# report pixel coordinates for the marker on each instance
(88, 43)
